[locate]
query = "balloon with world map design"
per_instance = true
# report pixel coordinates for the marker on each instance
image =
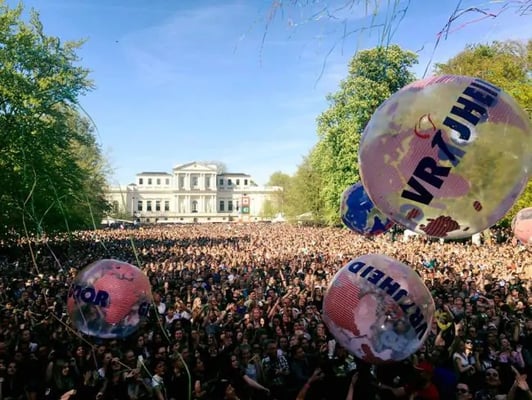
(109, 299)
(359, 214)
(378, 309)
(446, 156)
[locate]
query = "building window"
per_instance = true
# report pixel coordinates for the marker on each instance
(230, 205)
(229, 182)
(194, 206)
(167, 205)
(157, 205)
(148, 205)
(167, 181)
(237, 205)
(207, 181)
(141, 181)
(195, 181)
(245, 182)
(139, 205)
(238, 182)
(149, 181)
(221, 182)
(115, 207)
(222, 206)
(181, 182)
(158, 181)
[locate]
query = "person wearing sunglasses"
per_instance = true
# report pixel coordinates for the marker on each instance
(464, 361)
(463, 392)
(491, 387)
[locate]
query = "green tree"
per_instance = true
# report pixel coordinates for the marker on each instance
(279, 198)
(374, 75)
(268, 209)
(95, 169)
(304, 194)
(507, 65)
(52, 170)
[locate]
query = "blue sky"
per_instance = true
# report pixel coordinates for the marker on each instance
(239, 81)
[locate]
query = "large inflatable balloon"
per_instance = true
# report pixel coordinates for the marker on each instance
(522, 225)
(446, 156)
(378, 309)
(109, 299)
(359, 214)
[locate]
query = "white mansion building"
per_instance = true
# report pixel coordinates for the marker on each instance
(193, 192)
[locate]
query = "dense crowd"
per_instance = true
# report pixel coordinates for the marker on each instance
(237, 315)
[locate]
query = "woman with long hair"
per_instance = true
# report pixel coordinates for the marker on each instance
(61, 381)
(241, 382)
(12, 384)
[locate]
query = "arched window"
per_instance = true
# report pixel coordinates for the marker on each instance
(194, 206)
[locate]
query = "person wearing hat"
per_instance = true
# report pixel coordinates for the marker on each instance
(421, 388)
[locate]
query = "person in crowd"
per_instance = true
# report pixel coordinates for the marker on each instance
(463, 392)
(237, 314)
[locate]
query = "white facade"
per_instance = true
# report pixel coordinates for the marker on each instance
(193, 192)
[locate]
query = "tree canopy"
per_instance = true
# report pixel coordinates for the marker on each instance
(276, 203)
(505, 64)
(374, 75)
(53, 173)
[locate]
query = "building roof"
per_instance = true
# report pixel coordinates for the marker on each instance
(154, 173)
(234, 174)
(211, 167)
